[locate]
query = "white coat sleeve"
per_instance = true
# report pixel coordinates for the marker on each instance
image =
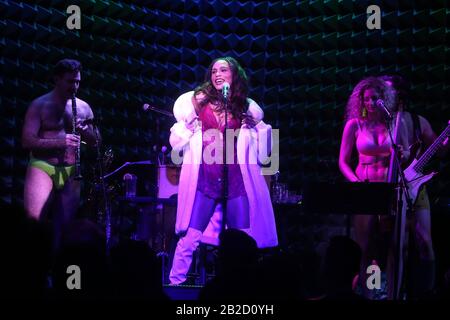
(261, 133)
(184, 112)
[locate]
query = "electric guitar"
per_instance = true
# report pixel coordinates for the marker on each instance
(414, 173)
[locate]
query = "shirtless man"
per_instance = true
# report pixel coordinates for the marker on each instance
(47, 133)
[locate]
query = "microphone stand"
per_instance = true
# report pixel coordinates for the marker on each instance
(225, 169)
(396, 175)
(107, 205)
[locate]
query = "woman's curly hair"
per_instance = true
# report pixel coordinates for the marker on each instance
(238, 98)
(355, 104)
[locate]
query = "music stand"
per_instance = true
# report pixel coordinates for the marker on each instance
(366, 198)
(371, 198)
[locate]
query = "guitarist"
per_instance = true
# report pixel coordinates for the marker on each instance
(417, 135)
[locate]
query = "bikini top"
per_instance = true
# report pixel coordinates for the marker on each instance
(369, 149)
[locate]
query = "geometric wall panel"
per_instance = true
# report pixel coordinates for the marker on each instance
(303, 59)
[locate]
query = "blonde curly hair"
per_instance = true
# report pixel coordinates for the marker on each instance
(355, 104)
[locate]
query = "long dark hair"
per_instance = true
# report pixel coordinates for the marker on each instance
(238, 98)
(401, 87)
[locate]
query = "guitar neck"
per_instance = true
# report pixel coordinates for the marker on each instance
(435, 146)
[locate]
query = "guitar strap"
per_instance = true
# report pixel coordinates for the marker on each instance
(417, 134)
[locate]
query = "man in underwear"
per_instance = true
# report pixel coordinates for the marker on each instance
(47, 133)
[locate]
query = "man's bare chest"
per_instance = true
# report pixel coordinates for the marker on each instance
(59, 118)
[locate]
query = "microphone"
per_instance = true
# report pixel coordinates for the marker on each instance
(381, 105)
(225, 89)
(146, 107)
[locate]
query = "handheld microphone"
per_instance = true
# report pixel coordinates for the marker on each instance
(225, 89)
(381, 105)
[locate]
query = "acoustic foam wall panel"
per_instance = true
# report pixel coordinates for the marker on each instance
(303, 59)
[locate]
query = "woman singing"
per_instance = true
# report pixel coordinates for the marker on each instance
(198, 133)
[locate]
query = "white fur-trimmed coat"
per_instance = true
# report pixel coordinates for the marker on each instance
(262, 220)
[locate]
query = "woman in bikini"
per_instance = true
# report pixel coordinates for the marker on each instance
(366, 129)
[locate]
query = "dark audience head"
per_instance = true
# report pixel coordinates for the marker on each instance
(83, 245)
(236, 248)
(26, 256)
(342, 263)
(136, 271)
